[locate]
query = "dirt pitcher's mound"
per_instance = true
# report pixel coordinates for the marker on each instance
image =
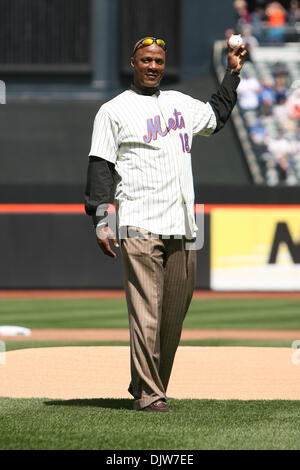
(199, 372)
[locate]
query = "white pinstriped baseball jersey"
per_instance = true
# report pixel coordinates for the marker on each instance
(149, 138)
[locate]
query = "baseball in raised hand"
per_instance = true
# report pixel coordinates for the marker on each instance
(236, 55)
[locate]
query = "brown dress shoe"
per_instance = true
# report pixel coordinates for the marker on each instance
(157, 406)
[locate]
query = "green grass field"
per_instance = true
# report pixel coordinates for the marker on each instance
(12, 345)
(96, 313)
(111, 424)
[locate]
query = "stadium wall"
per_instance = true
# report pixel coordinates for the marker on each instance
(58, 250)
(246, 247)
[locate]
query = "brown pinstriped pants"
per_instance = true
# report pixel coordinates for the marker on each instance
(159, 278)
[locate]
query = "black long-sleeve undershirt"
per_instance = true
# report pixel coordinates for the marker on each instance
(224, 100)
(100, 185)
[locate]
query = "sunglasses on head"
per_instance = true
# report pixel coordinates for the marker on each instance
(148, 42)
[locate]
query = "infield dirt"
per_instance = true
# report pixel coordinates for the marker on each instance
(119, 334)
(245, 373)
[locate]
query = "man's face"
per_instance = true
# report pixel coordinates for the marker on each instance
(148, 64)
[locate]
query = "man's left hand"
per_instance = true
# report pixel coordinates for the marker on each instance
(235, 57)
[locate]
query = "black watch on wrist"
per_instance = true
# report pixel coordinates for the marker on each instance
(232, 72)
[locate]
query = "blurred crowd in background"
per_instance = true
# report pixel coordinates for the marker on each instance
(269, 91)
(268, 22)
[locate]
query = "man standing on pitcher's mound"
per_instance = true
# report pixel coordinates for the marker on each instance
(141, 158)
